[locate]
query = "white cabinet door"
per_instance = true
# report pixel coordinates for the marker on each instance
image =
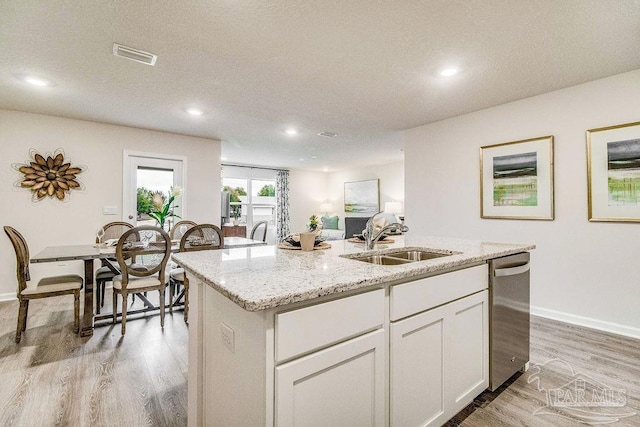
(342, 385)
(439, 361)
(418, 364)
(469, 341)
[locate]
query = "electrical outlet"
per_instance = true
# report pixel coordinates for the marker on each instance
(228, 337)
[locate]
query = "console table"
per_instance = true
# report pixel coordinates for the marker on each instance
(234, 230)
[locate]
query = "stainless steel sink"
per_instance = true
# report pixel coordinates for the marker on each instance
(417, 255)
(399, 257)
(382, 260)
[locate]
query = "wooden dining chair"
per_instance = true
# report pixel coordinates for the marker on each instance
(104, 274)
(258, 232)
(199, 238)
(177, 230)
(47, 286)
(150, 247)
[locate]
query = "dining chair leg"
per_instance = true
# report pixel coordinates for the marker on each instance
(162, 308)
(186, 298)
(115, 306)
(124, 314)
(97, 292)
(104, 286)
(76, 311)
(26, 314)
(22, 312)
(172, 291)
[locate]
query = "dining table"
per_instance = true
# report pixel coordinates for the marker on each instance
(90, 252)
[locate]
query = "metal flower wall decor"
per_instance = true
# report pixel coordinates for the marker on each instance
(48, 175)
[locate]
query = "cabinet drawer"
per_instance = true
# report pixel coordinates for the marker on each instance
(301, 331)
(420, 295)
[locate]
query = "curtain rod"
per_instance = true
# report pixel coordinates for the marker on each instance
(253, 167)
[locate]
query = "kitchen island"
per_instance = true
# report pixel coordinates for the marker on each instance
(284, 337)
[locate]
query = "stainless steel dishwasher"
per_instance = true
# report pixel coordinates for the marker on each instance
(508, 317)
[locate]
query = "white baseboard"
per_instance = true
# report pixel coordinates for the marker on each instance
(601, 325)
(8, 297)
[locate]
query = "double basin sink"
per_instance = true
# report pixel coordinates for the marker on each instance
(400, 256)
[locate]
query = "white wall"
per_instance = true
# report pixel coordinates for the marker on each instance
(99, 147)
(307, 190)
(584, 272)
(391, 183)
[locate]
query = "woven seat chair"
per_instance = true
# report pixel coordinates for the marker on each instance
(178, 230)
(47, 287)
(150, 247)
(104, 274)
(258, 232)
(199, 238)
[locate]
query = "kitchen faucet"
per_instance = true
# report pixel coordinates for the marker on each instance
(371, 237)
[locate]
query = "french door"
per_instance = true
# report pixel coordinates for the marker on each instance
(154, 173)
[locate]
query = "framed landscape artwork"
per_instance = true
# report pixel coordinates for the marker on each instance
(362, 196)
(613, 170)
(516, 179)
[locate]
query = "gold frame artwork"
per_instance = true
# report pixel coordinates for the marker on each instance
(516, 180)
(613, 173)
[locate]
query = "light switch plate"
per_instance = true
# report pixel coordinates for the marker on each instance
(110, 210)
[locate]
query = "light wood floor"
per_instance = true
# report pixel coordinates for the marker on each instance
(55, 378)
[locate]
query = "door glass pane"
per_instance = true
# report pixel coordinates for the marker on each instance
(153, 183)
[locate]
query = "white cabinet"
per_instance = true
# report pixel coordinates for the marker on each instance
(439, 361)
(342, 385)
(418, 362)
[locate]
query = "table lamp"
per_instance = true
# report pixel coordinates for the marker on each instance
(393, 208)
(326, 207)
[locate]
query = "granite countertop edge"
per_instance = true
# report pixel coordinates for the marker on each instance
(255, 293)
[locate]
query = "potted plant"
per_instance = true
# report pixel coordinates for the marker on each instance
(313, 223)
(163, 210)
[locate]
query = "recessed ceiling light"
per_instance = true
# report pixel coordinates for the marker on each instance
(325, 169)
(194, 111)
(223, 158)
(301, 159)
(36, 81)
(448, 72)
(291, 131)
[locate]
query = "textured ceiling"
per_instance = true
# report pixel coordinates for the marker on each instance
(363, 69)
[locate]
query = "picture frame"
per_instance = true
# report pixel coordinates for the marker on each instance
(516, 180)
(362, 197)
(613, 173)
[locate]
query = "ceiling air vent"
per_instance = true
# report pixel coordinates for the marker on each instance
(134, 54)
(328, 134)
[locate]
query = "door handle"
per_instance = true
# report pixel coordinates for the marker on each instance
(511, 271)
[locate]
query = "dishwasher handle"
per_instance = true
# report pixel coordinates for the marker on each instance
(511, 271)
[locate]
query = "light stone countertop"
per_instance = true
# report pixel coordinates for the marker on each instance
(262, 277)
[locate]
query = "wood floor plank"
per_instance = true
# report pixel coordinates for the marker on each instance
(54, 377)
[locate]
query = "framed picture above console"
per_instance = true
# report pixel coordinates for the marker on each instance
(362, 196)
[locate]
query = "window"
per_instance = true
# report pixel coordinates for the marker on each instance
(252, 194)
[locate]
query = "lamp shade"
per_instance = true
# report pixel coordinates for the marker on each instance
(393, 207)
(326, 207)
